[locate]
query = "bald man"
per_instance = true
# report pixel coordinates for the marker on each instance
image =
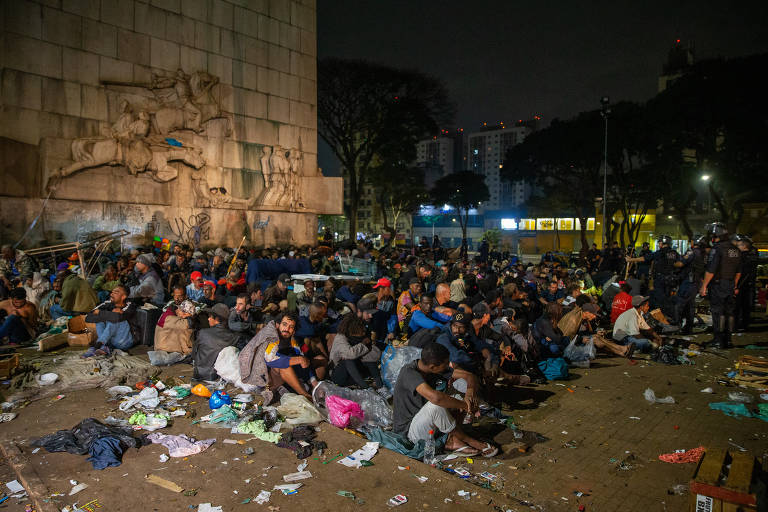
(443, 302)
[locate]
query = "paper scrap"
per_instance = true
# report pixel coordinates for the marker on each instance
(365, 453)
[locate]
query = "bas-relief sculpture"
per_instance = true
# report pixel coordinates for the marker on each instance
(146, 137)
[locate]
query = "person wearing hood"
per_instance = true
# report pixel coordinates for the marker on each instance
(150, 286)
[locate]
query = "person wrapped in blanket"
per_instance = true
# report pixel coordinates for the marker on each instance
(288, 366)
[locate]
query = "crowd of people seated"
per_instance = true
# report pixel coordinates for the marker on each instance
(480, 322)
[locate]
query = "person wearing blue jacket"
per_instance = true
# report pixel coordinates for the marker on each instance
(425, 318)
(466, 350)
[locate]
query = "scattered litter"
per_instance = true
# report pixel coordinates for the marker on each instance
(489, 476)
(462, 473)
(231, 441)
(46, 379)
(678, 490)
(146, 398)
(164, 458)
(206, 507)
(263, 497)
(707, 390)
(683, 456)
(737, 409)
(403, 468)
(7, 416)
(738, 396)
(465, 494)
(634, 417)
(77, 488)
(181, 445)
(293, 477)
(365, 453)
(421, 479)
(162, 482)
(397, 500)
(346, 494)
(35, 450)
(249, 451)
(650, 396)
(287, 487)
(15, 487)
(764, 396)
(301, 467)
(470, 461)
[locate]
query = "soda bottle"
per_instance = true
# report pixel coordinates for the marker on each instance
(429, 449)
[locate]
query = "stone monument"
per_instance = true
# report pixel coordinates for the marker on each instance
(161, 117)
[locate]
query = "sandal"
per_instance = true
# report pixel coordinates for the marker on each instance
(489, 451)
(466, 451)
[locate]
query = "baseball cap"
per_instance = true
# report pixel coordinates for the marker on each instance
(194, 276)
(210, 283)
(284, 278)
(638, 300)
(220, 310)
(383, 282)
(462, 318)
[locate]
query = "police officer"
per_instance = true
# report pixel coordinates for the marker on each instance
(721, 277)
(666, 261)
(694, 263)
(746, 296)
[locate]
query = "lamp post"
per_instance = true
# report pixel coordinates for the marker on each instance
(605, 110)
(705, 178)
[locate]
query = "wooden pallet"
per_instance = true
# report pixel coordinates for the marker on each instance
(716, 487)
(753, 372)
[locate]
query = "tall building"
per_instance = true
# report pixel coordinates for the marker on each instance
(439, 155)
(485, 155)
(679, 60)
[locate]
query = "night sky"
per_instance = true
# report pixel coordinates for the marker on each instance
(506, 59)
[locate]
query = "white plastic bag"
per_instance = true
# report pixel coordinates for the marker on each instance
(392, 361)
(147, 398)
(228, 368)
(297, 410)
(651, 397)
(580, 352)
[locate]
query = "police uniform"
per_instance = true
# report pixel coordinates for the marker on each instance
(746, 296)
(725, 264)
(694, 264)
(665, 277)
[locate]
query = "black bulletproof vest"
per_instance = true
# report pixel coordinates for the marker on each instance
(665, 265)
(730, 261)
(698, 265)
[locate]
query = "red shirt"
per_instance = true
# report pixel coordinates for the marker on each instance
(621, 302)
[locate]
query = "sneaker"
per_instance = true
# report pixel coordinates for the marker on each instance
(384, 392)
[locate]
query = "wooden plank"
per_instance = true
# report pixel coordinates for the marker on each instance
(165, 484)
(51, 342)
(740, 475)
(28, 477)
(723, 494)
(710, 467)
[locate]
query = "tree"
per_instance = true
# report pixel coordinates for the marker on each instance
(371, 114)
(464, 190)
(400, 190)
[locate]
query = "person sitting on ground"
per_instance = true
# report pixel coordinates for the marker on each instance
(573, 291)
(209, 294)
(546, 332)
(77, 296)
(465, 349)
(150, 286)
(117, 326)
(314, 334)
(277, 292)
(552, 294)
(421, 408)
(423, 317)
(305, 297)
(37, 287)
(354, 357)
(631, 327)
(176, 327)
(194, 289)
(287, 365)
(443, 303)
(106, 281)
(622, 301)
(14, 264)
(211, 341)
(20, 319)
(243, 319)
(408, 300)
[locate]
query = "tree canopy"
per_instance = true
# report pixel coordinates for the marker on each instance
(464, 190)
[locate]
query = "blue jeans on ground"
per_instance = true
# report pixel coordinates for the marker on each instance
(14, 328)
(641, 344)
(115, 334)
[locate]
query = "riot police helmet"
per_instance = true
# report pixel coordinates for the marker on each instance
(701, 241)
(738, 237)
(717, 230)
(664, 239)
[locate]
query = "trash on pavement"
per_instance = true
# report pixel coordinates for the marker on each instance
(77, 488)
(683, 456)
(736, 409)
(287, 487)
(219, 398)
(207, 507)
(46, 379)
(201, 390)
(298, 410)
(263, 497)
(365, 453)
(162, 482)
(7, 416)
(293, 477)
(707, 390)
(397, 500)
(650, 396)
(739, 396)
(346, 494)
(180, 445)
(146, 398)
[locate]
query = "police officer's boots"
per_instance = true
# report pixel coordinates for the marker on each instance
(730, 327)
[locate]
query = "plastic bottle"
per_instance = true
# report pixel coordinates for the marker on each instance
(429, 449)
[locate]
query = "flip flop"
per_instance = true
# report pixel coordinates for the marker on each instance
(489, 451)
(631, 350)
(466, 451)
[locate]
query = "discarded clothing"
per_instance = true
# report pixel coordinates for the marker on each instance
(106, 452)
(401, 444)
(692, 455)
(78, 439)
(736, 409)
(301, 441)
(257, 429)
(180, 446)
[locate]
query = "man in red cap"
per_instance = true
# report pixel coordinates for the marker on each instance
(195, 287)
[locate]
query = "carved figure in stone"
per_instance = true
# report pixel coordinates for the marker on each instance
(280, 176)
(207, 196)
(296, 163)
(185, 102)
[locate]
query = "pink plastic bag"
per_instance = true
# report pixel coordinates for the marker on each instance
(341, 410)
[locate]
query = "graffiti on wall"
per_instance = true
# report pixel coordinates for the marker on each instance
(191, 230)
(261, 224)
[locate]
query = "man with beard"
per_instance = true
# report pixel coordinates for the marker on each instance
(287, 365)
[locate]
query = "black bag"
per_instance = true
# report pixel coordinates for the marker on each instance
(666, 354)
(423, 337)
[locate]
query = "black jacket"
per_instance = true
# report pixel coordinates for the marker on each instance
(209, 343)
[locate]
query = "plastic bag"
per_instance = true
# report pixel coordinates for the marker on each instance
(147, 398)
(554, 368)
(376, 410)
(228, 367)
(739, 396)
(651, 397)
(219, 398)
(580, 351)
(163, 358)
(392, 361)
(341, 410)
(201, 390)
(297, 410)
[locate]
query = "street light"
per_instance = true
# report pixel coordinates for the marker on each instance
(605, 111)
(705, 177)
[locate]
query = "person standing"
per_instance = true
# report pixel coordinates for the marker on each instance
(721, 278)
(694, 263)
(746, 295)
(665, 260)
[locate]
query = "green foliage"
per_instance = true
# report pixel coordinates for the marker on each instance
(493, 236)
(463, 190)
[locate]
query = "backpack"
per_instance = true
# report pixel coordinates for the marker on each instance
(554, 368)
(423, 337)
